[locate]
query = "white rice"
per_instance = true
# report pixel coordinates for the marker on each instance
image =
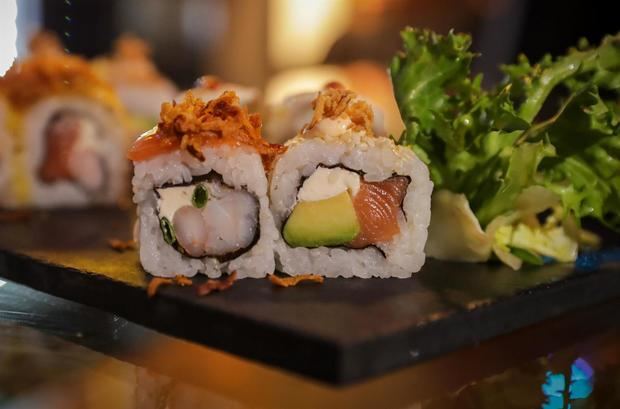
(112, 146)
(379, 159)
(240, 168)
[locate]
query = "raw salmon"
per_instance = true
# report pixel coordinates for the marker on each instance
(377, 205)
(148, 147)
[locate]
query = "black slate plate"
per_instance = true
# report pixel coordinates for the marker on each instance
(340, 332)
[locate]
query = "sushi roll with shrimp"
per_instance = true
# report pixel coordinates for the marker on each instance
(201, 190)
(349, 203)
(66, 130)
(139, 84)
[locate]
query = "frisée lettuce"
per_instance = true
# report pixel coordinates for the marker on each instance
(492, 145)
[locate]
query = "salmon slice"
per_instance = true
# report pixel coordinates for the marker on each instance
(377, 205)
(148, 147)
(62, 135)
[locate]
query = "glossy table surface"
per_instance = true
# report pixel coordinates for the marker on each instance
(60, 354)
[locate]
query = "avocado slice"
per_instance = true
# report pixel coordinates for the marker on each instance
(328, 222)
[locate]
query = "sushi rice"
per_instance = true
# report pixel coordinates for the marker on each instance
(232, 228)
(333, 143)
(241, 169)
(109, 142)
(66, 132)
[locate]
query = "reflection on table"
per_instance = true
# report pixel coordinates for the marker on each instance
(59, 354)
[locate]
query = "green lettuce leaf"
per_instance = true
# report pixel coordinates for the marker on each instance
(490, 145)
(520, 173)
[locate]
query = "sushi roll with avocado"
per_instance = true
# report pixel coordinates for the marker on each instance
(349, 203)
(139, 84)
(201, 190)
(67, 133)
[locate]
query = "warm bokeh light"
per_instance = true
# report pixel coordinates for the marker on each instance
(301, 32)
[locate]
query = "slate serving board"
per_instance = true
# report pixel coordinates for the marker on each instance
(342, 331)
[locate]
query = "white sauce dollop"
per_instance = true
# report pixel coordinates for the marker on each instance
(325, 183)
(173, 198)
(332, 127)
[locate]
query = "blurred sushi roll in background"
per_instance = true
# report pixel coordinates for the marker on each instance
(284, 120)
(210, 87)
(348, 202)
(66, 130)
(201, 189)
(139, 84)
(5, 153)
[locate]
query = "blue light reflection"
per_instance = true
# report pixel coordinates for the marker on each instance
(580, 387)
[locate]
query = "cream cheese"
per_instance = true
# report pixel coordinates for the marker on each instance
(173, 198)
(325, 183)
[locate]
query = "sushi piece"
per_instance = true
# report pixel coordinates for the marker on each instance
(209, 87)
(5, 153)
(201, 190)
(287, 118)
(348, 202)
(139, 84)
(66, 129)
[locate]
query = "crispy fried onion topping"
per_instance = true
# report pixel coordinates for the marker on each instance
(48, 73)
(122, 245)
(157, 282)
(220, 121)
(45, 42)
(293, 281)
(217, 285)
(130, 63)
(130, 47)
(336, 102)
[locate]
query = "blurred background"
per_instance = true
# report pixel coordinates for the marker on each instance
(288, 46)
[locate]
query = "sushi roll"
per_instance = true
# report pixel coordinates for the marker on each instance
(5, 153)
(139, 84)
(347, 202)
(286, 118)
(209, 87)
(201, 190)
(66, 131)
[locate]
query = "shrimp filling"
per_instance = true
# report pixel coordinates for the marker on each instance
(72, 152)
(338, 207)
(207, 218)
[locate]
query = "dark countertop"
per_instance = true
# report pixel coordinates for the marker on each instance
(60, 354)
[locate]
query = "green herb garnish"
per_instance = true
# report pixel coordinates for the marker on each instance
(167, 230)
(200, 196)
(527, 256)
